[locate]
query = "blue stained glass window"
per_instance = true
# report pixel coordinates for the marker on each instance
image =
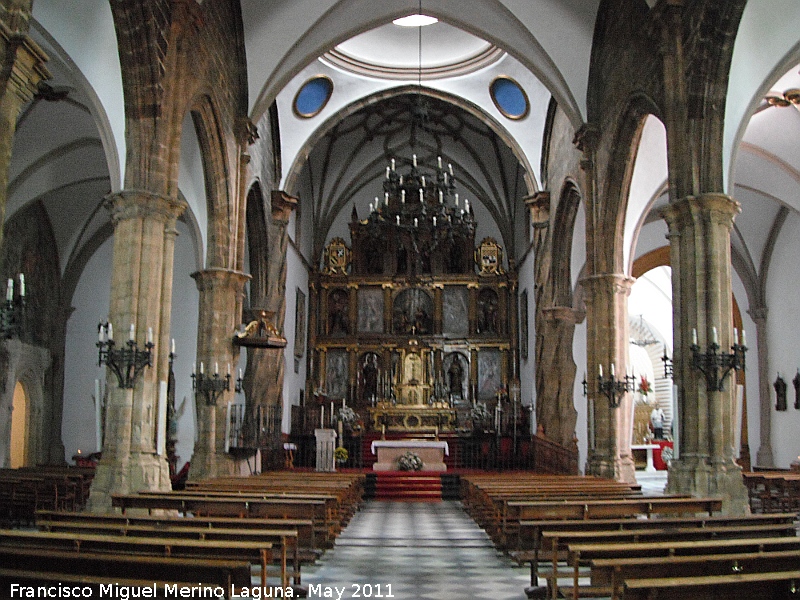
(509, 98)
(313, 96)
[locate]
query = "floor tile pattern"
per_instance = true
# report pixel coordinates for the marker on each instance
(424, 551)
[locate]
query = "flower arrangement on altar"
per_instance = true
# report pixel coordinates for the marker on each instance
(340, 455)
(409, 462)
(480, 416)
(347, 416)
(644, 386)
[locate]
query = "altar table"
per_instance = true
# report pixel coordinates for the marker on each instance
(431, 452)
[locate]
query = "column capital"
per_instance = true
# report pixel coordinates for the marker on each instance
(618, 283)
(27, 67)
(142, 204)
(718, 208)
(214, 278)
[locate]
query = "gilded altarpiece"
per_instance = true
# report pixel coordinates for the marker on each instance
(413, 328)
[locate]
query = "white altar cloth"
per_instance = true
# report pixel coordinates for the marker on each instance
(431, 452)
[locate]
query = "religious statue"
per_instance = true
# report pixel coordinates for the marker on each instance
(487, 312)
(455, 376)
(369, 374)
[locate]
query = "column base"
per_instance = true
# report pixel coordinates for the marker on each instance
(124, 476)
(205, 465)
(764, 457)
(621, 468)
(695, 476)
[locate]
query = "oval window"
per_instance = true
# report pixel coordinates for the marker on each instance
(312, 97)
(509, 98)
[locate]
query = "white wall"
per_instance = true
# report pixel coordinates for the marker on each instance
(91, 301)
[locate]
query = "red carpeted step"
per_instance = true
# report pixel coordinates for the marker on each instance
(400, 485)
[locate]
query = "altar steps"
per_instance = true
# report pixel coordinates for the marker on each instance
(408, 486)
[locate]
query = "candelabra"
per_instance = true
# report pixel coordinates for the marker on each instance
(714, 365)
(12, 310)
(417, 203)
(128, 361)
(611, 387)
(668, 370)
(212, 386)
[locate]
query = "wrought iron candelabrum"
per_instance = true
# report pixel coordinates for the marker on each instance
(12, 310)
(717, 366)
(417, 202)
(211, 387)
(128, 361)
(613, 388)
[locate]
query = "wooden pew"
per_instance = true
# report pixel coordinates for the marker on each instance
(305, 527)
(558, 540)
(531, 548)
(614, 572)
(256, 552)
(228, 506)
(583, 554)
(646, 506)
(753, 586)
(34, 565)
(283, 541)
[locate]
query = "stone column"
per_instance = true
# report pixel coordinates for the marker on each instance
(23, 69)
(764, 456)
(141, 294)
(699, 233)
(220, 290)
(607, 344)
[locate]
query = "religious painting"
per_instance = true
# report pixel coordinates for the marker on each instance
(337, 373)
(300, 324)
(456, 373)
(455, 310)
(370, 310)
(338, 311)
(488, 305)
(413, 312)
(489, 377)
(523, 324)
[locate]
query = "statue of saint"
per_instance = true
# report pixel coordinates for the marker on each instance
(455, 376)
(370, 376)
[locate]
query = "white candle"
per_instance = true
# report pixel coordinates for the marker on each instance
(110, 331)
(415, 222)
(387, 172)
(421, 197)
(398, 219)
(456, 198)
(216, 368)
(714, 335)
(132, 334)
(228, 371)
(392, 164)
(450, 168)
(98, 423)
(434, 221)
(466, 205)
(173, 346)
(322, 408)
(414, 159)
(386, 198)
(612, 370)
(694, 337)
(439, 161)
(403, 196)
(423, 181)
(149, 335)
(100, 334)
(332, 415)
(22, 285)
(240, 373)
(201, 367)
(441, 197)
(10, 290)
(194, 368)
(344, 402)
(744, 341)
(600, 370)
(735, 336)
(370, 207)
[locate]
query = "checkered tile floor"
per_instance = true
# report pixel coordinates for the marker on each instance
(416, 551)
